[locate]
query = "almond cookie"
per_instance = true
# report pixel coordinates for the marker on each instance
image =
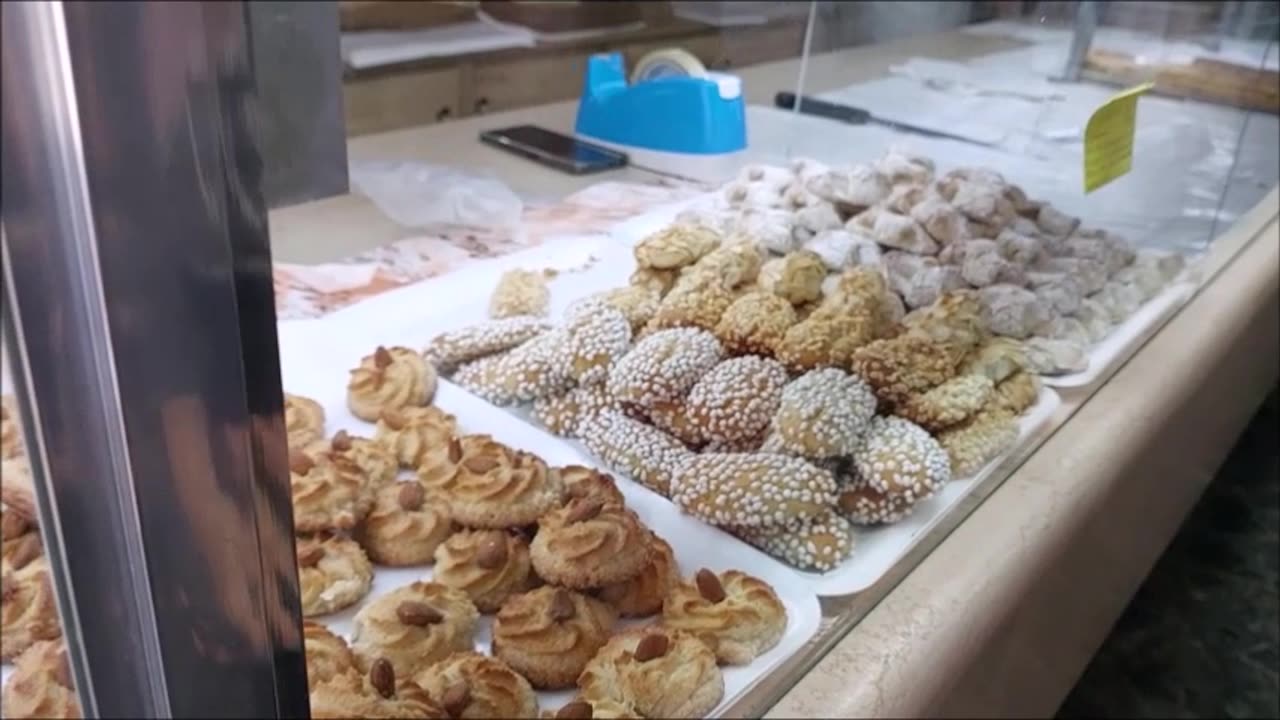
(303, 420)
(14, 531)
(599, 708)
(390, 379)
(328, 655)
(823, 413)
(438, 466)
(502, 488)
(738, 616)
(972, 444)
(10, 434)
(375, 460)
(952, 402)
(735, 401)
(755, 323)
(471, 685)
(659, 672)
(644, 453)
(819, 543)
(589, 544)
(675, 247)
(488, 565)
(380, 694)
(664, 366)
(751, 489)
(549, 634)
(824, 338)
(520, 293)
(585, 482)
(564, 414)
(642, 595)
(333, 573)
(28, 610)
(326, 496)
(41, 685)
(536, 369)
(17, 488)
(405, 526)
(796, 277)
(451, 349)
(412, 433)
(413, 627)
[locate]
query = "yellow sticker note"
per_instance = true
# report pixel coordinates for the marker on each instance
(1108, 138)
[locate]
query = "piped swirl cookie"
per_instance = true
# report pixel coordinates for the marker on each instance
(660, 672)
(642, 595)
(380, 694)
(498, 487)
(413, 627)
(414, 434)
(10, 435)
(548, 635)
(488, 565)
(303, 420)
(390, 379)
(328, 655)
(584, 482)
(470, 685)
(326, 496)
(589, 544)
(41, 685)
(375, 461)
(405, 526)
(738, 616)
(28, 610)
(333, 573)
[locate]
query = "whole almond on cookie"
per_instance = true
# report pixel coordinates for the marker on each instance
(576, 710)
(381, 357)
(709, 586)
(455, 451)
(341, 441)
(28, 549)
(653, 646)
(480, 464)
(394, 419)
(300, 463)
(417, 613)
(493, 551)
(582, 510)
(411, 496)
(311, 556)
(383, 677)
(62, 670)
(456, 699)
(562, 607)
(12, 526)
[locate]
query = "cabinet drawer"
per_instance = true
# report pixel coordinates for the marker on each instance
(389, 102)
(522, 82)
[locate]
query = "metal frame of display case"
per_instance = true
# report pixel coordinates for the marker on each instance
(139, 317)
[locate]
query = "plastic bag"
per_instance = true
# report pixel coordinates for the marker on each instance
(417, 195)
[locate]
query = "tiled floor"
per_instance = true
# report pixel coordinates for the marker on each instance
(1200, 637)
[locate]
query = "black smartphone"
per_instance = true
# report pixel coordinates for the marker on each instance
(561, 152)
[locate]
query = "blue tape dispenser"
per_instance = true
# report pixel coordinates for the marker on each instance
(673, 117)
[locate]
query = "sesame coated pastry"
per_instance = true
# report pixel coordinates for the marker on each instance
(820, 543)
(795, 277)
(738, 616)
(694, 302)
(637, 303)
(732, 265)
(755, 323)
(414, 627)
(303, 420)
(412, 433)
(449, 350)
(903, 366)
(642, 595)
(898, 466)
(826, 338)
(488, 565)
(972, 444)
(587, 544)
(823, 413)
(333, 573)
(638, 450)
(390, 379)
(599, 334)
(954, 318)
(538, 368)
(548, 635)
(751, 489)
(659, 672)
(326, 496)
(664, 365)
(405, 526)
(328, 655)
(471, 685)
(564, 413)
(672, 417)
(657, 282)
(952, 402)
(1018, 392)
(675, 247)
(736, 400)
(520, 293)
(41, 685)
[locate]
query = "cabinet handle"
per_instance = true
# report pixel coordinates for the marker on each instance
(443, 113)
(482, 104)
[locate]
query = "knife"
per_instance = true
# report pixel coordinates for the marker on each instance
(858, 116)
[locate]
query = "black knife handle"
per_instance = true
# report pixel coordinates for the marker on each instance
(822, 108)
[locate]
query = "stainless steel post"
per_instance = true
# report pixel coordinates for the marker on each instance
(1086, 23)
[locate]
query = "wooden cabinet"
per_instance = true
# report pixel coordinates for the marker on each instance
(396, 100)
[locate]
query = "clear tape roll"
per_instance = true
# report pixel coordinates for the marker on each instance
(667, 62)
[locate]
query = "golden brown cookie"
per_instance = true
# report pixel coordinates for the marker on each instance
(405, 526)
(333, 573)
(584, 482)
(549, 634)
(820, 543)
(41, 685)
(499, 487)
(303, 420)
(642, 595)
(675, 247)
(439, 466)
(488, 565)
(752, 489)
(380, 694)
(413, 627)
(326, 496)
(17, 488)
(755, 324)
(538, 368)
(823, 339)
(448, 350)
(660, 672)
(899, 367)
(378, 463)
(1018, 392)
(953, 401)
(599, 334)
(597, 709)
(564, 413)
(589, 544)
(390, 379)
(972, 444)
(738, 616)
(691, 304)
(735, 402)
(638, 450)
(10, 433)
(520, 293)
(328, 655)
(470, 685)
(901, 460)
(412, 434)
(28, 608)
(664, 366)
(823, 414)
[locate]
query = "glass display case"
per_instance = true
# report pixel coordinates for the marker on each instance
(400, 424)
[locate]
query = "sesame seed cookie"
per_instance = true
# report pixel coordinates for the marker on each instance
(449, 350)
(642, 452)
(587, 544)
(675, 247)
(949, 403)
(414, 627)
(660, 672)
(755, 323)
(819, 543)
(405, 526)
(488, 565)
(637, 303)
(550, 634)
(736, 400)
(738, 616)
(412, 433)
(564, 413)
(333, 573)
(823, 414)
(691, 305)
(899, 458)
(390, 379)
(972, 444)
(751, 489)
(538, 368)
(664, 365)
(599, 334)
(471, 685)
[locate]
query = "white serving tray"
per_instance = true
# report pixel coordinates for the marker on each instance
(320, 371)
(1117, 344)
